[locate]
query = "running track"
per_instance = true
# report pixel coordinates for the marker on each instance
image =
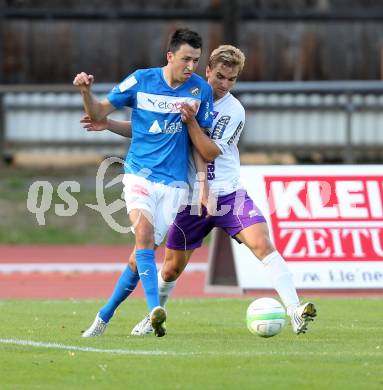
(90, 272)
(82, 272)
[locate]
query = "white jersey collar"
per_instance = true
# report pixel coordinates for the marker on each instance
(223, 98)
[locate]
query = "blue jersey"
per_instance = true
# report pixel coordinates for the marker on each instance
(160, 140)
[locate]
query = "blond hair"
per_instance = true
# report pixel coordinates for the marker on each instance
(227, 55)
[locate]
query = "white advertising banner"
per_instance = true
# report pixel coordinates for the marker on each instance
(326, 221)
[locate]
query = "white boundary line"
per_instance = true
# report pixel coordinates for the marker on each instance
(81, 267)
(39, 344)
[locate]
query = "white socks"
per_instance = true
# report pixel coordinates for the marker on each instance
(164, 289)
(281, 279)
(275, 267)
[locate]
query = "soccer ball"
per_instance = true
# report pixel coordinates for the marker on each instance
(265, 317)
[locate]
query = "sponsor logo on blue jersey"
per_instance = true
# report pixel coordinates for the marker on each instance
(163, 104)
(167, 128)
(160, 139)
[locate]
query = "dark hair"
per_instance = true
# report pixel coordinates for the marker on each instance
(182, 36)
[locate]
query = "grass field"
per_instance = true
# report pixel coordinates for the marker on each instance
(207, 347)
(86, 226)
(19, 226)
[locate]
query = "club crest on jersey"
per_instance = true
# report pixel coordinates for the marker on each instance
(194, 91)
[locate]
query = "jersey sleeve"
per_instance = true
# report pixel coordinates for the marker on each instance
(228, 128)
(124, 94)
(204, 115)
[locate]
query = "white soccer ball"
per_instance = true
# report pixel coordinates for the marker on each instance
(265, 317)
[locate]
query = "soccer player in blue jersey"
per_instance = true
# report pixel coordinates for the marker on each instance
(156, 165)
(243, 220)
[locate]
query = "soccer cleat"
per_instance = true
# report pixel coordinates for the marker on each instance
(157, 320)
(301, 316)
(97, 328)
(143, 328)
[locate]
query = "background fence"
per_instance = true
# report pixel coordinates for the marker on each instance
(337, 120)
(48, 41)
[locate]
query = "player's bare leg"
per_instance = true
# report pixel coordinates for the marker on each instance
(175, 262)
(256, 237)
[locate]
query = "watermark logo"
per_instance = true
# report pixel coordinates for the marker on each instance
(138, 192)
(40, 195)
(107, 210)
(40, 205)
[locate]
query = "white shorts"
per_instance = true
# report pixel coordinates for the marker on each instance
(161, 201)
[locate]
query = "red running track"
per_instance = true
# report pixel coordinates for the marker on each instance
(95, 285)
(79, 254)
(99, 285)
(81, 285)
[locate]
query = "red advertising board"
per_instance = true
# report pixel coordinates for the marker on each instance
(326, 221)
(318, 218)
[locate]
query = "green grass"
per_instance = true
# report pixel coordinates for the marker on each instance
(18, 226)
(87, 226)
(207, 347)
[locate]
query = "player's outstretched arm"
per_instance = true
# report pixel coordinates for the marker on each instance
(123, 128)
(205, 197)
(95, 109)
(201, 174)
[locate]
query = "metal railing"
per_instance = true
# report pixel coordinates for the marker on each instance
(342, 118)
(46, 120)
(335, 118)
